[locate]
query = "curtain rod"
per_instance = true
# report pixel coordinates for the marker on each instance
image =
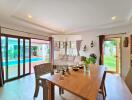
(114, 34)
(20, 31)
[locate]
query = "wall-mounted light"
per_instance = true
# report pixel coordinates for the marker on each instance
(92, 44)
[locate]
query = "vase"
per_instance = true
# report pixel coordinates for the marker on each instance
(86, 68)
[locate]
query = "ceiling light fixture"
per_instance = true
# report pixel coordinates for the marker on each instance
(114, 17)
(29, 16)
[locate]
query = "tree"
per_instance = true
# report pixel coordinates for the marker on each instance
(110, 45)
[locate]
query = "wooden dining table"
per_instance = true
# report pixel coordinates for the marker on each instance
(82, 84)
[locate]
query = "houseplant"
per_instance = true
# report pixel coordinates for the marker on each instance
(89, 60)
(93, 58)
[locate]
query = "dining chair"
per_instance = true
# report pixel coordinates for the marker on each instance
(40, 70)
(128, 79)
(128, 82)
(102, 89)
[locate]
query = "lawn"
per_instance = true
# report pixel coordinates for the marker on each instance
(110, 62)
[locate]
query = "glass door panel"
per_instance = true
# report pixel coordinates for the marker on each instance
(111, 56)
(12, 58)
(4, 64)
(15, 56)
(26, 56)
(21, 56)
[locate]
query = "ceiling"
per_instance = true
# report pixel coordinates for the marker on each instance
(67, 16)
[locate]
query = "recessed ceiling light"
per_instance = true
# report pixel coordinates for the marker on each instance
(114, 17)
(29, 16)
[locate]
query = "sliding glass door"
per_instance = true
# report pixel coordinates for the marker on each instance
(21, 57)
(3, 49)
(26, 56)
(12, 61)
(15, 56)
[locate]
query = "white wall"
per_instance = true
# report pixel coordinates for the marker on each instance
(66, 37)
(87, 37)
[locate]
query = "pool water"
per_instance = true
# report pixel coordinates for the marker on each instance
(15, 62)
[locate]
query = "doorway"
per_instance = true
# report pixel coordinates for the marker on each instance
(40, 52)
(112, 54)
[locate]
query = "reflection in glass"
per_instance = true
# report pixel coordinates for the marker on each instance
(26, 56)
(21, 57)
(3, 44)
(12, 57)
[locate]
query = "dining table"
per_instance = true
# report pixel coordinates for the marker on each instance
(84, 84)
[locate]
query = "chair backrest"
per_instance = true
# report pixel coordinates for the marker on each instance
(128, 79)
(42, 69)
(103, 80)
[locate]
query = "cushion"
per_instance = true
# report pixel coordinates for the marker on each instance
(71, 58)
(61, 57)
(65, 58)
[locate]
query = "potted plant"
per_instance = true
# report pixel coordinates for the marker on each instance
(90, 60)
(93, 58)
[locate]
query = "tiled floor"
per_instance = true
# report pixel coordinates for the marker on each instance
(23, 89)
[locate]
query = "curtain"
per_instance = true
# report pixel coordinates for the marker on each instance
(78, 45)
(51, 45)
(65, 46)
(101, 41)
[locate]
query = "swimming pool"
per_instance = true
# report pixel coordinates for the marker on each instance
(15, 62)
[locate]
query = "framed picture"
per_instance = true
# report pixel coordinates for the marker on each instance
(61, 44)
(73, 44)
(69, 44)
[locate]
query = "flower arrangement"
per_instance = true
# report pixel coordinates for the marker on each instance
(93, 58)
(90, 60)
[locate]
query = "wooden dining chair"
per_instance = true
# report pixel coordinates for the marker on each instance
(41, 70)
(102, 89)
(128, 79)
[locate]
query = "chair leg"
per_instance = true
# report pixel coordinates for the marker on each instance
(105, 90)
(103, 96)
(45, 90)
(36, 89)
(103, 93)
(61, 91)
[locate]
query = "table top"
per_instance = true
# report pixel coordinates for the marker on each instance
(84, 85)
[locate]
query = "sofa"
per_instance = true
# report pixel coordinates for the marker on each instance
(68, 60)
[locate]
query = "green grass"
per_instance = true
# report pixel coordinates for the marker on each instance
(110, 62)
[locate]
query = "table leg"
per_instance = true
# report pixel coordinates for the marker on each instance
(51, 95)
